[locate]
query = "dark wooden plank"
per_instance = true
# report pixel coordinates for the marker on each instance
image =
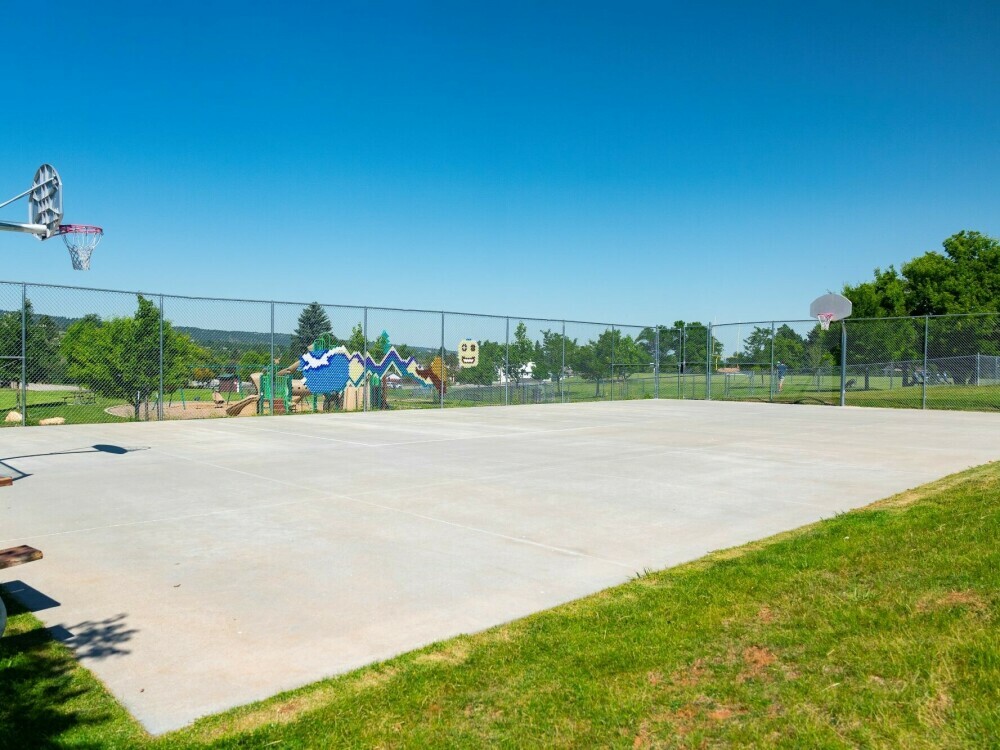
(6, 481)
(18, 556)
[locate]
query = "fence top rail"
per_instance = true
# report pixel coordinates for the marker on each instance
(851, 321)
(533, 318)
(165, 296)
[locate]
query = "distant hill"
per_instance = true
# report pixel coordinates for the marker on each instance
(244, 339)
(203, 336)
(217, 339)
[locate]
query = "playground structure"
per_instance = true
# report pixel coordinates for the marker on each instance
(347, 381)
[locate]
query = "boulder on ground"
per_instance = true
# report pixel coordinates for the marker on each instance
(53, 420)
(13, 416)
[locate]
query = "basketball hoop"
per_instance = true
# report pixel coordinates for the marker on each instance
(80, 239)
(824, 320)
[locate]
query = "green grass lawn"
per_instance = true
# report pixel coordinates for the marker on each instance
(74, 407)
(877, 628)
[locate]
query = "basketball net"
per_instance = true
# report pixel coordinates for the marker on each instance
(824, 320)
(80, 239)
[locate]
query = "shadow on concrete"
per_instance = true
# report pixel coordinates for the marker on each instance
(40, 699)
(115, 450)
(28, 597)
(96, 639)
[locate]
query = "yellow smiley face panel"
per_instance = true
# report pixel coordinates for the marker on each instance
(468, 353)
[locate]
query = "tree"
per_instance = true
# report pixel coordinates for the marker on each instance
(592, 361)
(757, 347)
(313, 323)
(120, 358)
(790, 347)
(628, 356)
(42, 361)
(356, 343)
(965, 279)
(519, 354)
(379, 347)
(550, 355)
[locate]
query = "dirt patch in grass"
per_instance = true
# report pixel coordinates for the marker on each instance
(690, 675)
(934, 712)
(756, 660)
(967, 599)
(985, 476)
(453, 654)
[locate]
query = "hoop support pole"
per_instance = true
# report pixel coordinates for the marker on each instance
(36, 229)
(28, 191)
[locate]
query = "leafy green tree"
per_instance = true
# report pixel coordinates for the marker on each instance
(757, 347)
(964, 279)
(380, 347)
(549, 355)
(313, 323)
(120, 358)
(356, 342)
(693, 350)
(43, 362)
(628, 356)
(789, 347)
(519, 354)
(592, 361)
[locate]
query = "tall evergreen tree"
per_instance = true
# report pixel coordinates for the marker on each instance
(313, 323)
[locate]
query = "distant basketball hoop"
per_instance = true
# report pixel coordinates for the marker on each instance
(45, 213)
(830, 307)
(80, 240)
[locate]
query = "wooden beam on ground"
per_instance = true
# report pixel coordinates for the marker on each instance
(18, 556)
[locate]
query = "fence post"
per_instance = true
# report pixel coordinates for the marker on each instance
(271, 369)
(656, 362)
(770, 377)
(506, 367)
(843, 362)
(24, 354)
(612, 382)
(562, 372)
(444, 370)
(923, 379)
(977, 368)
(159, 397)
(708, 365)
(364, 363)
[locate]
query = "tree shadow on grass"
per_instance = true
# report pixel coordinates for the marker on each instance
(42, 695)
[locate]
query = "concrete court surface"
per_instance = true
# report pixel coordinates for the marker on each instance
(230, 559)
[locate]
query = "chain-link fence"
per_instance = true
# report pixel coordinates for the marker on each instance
(75, 355)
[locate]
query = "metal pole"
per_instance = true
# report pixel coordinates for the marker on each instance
(159, 400)
(364, 355)
(24, 354)
(843, 363)
(562, 372)
(923, 380)
(506, 365)
(444, 371)
(682, 366)
(21, 195)
(771, 378)
(270, 367)
(656, 362)
(612, 363)
(708, 365)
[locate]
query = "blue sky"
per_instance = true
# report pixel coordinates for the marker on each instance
(624, 162)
